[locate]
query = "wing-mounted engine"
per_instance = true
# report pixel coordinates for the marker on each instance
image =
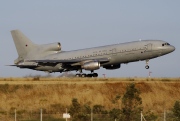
(52, 47)
(91, 65)
(111, 67)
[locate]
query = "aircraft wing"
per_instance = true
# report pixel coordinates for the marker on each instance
(72, 62)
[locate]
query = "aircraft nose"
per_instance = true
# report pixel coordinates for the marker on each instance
(172, 48)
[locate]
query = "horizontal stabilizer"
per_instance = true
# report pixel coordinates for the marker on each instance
(11, 65)
(23, 65)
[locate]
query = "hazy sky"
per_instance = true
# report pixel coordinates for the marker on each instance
(81, 24)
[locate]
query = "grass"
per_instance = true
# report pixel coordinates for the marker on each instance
(31, 94)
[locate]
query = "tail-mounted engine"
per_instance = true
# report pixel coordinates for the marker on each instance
(52, 47)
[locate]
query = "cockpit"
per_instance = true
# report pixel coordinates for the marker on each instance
(164, 44)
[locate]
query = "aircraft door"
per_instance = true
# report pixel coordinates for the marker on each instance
(148, 47)
(114, 51)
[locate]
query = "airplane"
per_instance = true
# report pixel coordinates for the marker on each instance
(50, 57)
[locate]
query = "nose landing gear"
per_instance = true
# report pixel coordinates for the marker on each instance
(147, 66)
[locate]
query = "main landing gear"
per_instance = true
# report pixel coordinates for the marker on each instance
(92, 74)
(87, 75)
(147, 62)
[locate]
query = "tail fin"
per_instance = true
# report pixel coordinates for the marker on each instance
(22, 43)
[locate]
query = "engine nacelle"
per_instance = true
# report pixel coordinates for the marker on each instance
(91, 65)
(111, 67)
(52, 47)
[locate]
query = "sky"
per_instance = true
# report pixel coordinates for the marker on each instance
(79, 24)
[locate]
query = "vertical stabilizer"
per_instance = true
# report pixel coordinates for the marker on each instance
(22, 43)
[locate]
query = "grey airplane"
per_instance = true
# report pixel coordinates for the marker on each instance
(50, 57)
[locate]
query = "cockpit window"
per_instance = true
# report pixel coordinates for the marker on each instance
(165, 44)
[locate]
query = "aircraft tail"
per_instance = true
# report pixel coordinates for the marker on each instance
(22, 43)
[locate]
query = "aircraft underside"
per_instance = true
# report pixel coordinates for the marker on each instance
(51, 69)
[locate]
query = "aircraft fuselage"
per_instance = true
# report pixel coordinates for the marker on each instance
(50, 58)
(117, 53)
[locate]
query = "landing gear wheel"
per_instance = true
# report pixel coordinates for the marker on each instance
(89, 75)
(78, 75)
(83, 75)
(92, 74)
(95, 75)
(147, 67)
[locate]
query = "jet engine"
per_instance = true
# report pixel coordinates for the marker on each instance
(92, 65)
(111, 67)
(52, 47)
